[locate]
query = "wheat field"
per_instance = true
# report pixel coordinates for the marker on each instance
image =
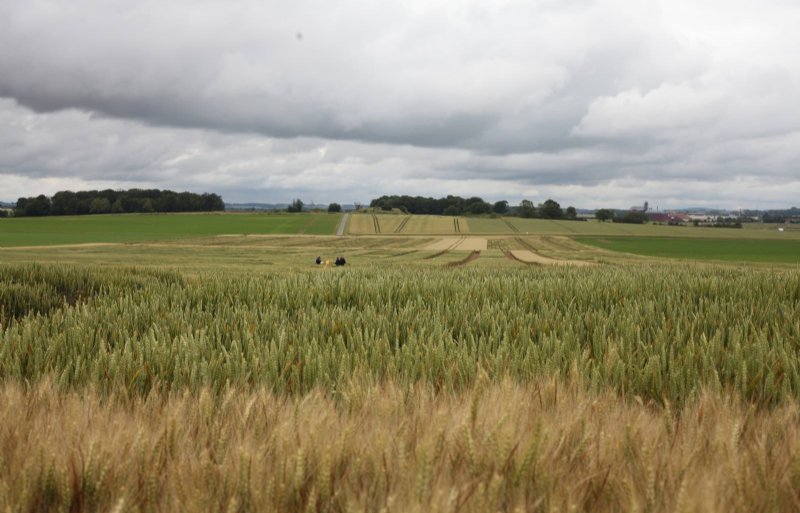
(647, 387)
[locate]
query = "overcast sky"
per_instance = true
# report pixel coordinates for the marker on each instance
(591, 102)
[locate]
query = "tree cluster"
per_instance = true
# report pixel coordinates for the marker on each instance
(456, 206)
(632, 217)
(448, 206)
(296, 206)
(117, 202)
(604, 214)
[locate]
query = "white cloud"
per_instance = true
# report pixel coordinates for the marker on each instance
(661, 111)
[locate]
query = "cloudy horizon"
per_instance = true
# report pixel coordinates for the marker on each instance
(595, 103)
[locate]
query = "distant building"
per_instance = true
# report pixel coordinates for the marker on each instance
(668, 217)
(656, 217)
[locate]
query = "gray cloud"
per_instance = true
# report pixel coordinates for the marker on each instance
(264, 101)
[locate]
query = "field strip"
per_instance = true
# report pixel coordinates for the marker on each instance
(472, 244)
(342, 225)
(443, 244)
(529, 257)
(62, 246)
(454, 243)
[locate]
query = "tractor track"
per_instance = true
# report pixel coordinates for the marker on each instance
(402, 225)
(511, 225)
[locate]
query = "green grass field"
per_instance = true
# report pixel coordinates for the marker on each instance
(750, 250)
(30, 231)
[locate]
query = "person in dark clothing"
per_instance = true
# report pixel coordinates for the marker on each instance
(340, 260)
(318, 260)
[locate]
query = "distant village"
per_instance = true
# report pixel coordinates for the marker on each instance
(705, 216)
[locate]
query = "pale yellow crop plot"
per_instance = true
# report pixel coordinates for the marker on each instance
(371, 224)
(472, 244)
(436, 225)
(361, 224)
(445, 244)
(389, 224)
(529, 257)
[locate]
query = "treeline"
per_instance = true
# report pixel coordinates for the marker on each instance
(65, 203)
(789, 215)
(456, 206)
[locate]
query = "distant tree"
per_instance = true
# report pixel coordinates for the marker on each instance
(604, 214)
(634, 217)
(571, 213)
(334, 207)
(526, 209)
(500, 207)
(38, 206)
(100, 206)
(296, 206)
(147, 206)
(211, 202)
(478, 207)
(452, 210)
(452, 204)
(771, 217)
(550, 209)
(64, 203)
(3, 212)
(22, 205)
(117, 207)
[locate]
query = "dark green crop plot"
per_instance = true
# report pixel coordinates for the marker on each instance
(745, 250)
(36, 231)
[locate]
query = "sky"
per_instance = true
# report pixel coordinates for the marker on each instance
(594, 103)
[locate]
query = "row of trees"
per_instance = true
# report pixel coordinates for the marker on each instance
(448, 206)
(456, 205)
(117, 202)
